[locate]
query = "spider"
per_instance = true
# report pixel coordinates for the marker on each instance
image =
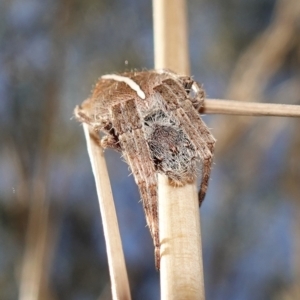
(152, 118)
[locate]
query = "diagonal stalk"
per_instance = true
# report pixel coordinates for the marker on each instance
(116, 261)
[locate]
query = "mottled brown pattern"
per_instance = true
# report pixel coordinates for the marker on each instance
(162, 133)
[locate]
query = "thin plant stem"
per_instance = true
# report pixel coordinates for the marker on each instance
(170, 36)
(181, 270)
(116, 261)
(241, 108)
(181, 274)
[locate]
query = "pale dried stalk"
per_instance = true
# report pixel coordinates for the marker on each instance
(181, 272)
(230, 107)
(180, 246)
(170, 35)
(116, 261)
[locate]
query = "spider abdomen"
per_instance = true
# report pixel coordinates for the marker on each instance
(171, 151)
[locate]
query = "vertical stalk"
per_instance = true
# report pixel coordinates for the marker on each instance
(170, 35)
(181, 273)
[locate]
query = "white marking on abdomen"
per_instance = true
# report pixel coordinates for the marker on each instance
(128, 81)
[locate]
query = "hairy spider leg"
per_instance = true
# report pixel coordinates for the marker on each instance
(191, 111)
(127, 123)
(84, 118)
(109, 140)
(193, 127)
(198, 100)
(210, 141)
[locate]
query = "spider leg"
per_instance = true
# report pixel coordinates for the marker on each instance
(127, 124)
(191, 112)
(199, 95)
(83, 117)
(110, 141)
(177, 101)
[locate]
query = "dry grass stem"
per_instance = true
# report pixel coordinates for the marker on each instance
(181, 272)
(170, 31)
(116, 262)
(180, 247)
(230, 107)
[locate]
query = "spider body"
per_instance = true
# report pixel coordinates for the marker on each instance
(171, 151)
(152, 118)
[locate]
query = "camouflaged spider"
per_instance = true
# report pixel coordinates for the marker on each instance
(152, 118)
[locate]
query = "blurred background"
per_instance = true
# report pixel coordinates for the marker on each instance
(51, 237)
